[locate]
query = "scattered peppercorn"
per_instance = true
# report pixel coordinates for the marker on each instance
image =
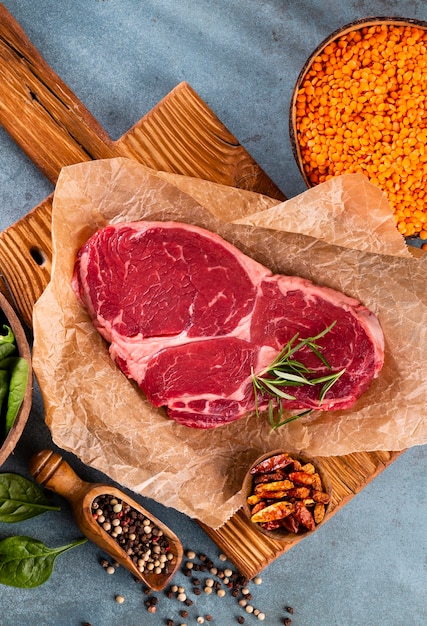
(287, 621)
(240, 620)
(289, 609)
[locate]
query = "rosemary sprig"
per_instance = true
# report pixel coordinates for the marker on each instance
(285, 371)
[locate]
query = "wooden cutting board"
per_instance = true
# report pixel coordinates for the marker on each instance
(181, 135)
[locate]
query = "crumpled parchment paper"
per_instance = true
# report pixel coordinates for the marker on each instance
(340, 234)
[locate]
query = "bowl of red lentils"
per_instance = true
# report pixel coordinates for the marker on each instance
(286, 494)
(360, 106)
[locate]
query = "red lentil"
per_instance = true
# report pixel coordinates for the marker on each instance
(362, 107)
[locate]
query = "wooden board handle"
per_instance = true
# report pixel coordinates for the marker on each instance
(53, 128)
(180, 135)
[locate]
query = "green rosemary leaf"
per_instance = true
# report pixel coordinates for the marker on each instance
(278, 424)
(328, 384)
(319, 355)
(271, 418)
(277, 392)
(285, 371)
(302, 380)
(297, 366)
(329, 377)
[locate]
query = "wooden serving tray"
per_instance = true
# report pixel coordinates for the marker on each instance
(181, 135)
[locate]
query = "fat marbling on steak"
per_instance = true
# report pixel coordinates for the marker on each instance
(187, 316)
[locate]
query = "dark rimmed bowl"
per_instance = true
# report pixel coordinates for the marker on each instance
(9, 443)
(353, 26)
(282, 534)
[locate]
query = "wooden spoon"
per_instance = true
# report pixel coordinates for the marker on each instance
(50, 470)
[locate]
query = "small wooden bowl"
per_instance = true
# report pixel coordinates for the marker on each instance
(282, 534)
(356, 25)
(9, 317)
(50, 470)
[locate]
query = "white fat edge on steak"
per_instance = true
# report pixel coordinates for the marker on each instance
(138, 351)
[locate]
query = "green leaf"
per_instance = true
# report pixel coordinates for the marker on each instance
(17, 386)
(9, 337)
(4, 386)
(26, 562)
(6, 350)
(287, 372)
(278, 423)
(21, 499)
(289, 377)
(276, 391)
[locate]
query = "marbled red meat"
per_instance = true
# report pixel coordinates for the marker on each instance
(188, 317)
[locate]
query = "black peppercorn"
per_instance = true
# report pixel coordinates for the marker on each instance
(240, 620)
(289, 609)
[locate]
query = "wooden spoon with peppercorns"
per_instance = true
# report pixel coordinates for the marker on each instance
(115, 522)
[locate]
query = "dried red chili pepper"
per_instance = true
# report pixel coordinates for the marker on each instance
(271, 464)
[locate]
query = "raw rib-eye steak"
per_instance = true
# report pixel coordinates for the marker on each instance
(188, 316)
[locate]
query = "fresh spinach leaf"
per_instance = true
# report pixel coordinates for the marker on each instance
(27, 562)
(17, 386)
(4, 386)
(9, 337)
(21, 499)
(6, 349)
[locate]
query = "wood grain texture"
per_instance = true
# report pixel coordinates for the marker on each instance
(181, 135)
(251, 552)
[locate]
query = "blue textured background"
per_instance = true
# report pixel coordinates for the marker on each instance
(368, 564)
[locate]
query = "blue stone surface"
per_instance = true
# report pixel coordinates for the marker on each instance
(368, 564)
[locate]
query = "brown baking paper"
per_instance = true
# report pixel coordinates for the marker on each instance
(93, 411)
